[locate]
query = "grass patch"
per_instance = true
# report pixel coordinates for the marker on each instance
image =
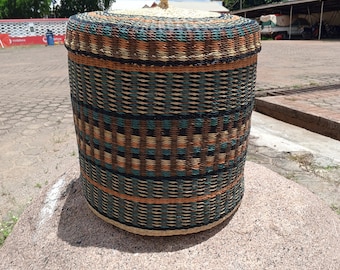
(6, 228)
(291, 176)
(57, 140)
(329, 167)
(305, 160)
(37, 185)
(335, 208)
(290, 98)
(297, 86)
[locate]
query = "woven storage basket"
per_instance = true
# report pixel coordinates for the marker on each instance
(162, 112)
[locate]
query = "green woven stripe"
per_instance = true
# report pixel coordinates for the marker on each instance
(166, 216)
(234, 115)
(164, 93)
(148, 187)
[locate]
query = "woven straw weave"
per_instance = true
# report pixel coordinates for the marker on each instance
(162, 112)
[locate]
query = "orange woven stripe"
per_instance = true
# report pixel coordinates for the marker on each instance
(160, 200)
(102, 63)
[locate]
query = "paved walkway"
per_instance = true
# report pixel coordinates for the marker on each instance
(37, 141)
(315, 110)
(299, 83)
(298, 64)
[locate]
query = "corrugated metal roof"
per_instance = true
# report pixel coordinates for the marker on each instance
(299, 6)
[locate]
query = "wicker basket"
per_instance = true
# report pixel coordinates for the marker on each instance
(162, 112)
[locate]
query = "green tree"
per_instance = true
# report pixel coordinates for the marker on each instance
(24, 9)
(68, 8)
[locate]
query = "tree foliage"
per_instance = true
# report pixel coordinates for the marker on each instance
(23, 9)
(236, 4)
(71, 7)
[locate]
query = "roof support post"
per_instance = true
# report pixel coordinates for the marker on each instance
(309, 16)
(290, 21)
(321, 18)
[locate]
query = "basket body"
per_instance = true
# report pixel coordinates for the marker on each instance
(162, 115)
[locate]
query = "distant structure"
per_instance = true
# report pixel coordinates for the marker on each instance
(31, 31)
(321, 14)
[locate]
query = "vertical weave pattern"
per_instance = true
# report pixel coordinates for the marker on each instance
(162, 112)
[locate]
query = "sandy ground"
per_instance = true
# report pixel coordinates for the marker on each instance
(279, 225)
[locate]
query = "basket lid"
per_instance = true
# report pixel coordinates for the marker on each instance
(169, 37)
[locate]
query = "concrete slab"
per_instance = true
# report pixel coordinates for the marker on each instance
(284, 137)
(317, 111)
(280, 225)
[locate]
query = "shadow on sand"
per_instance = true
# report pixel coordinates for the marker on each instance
(78, 226)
